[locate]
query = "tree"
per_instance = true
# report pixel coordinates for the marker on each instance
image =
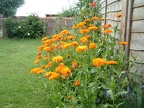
(9, 7)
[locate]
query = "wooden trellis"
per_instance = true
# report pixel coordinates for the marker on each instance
(130, 26)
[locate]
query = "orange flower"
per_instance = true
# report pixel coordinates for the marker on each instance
(81, 48)
(39, 57)
(103, 19)
(118, 15)
(70, 37)
(93, 4)
(84, 40)
(69, 97)
(123, 43)
(67, 45)
(52, 75)
(111, 62)
(60, 67)
(36, 61)
(47, 49)
(87, 20)
(65, 72)
(46, 58)
(92, 45)
(54, 46)
(41, 47)
(74, 65)
(44, 38)
(77, 83)
(65, 32)
(57, 59)
(84, 31)
(81, 24)
(50, 63)
(37, 71)
(74, 26)
(75, 43)
(93, 28)
(98, 62)
(95, 18)
(107, 31)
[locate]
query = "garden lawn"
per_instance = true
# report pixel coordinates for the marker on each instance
(18, 88)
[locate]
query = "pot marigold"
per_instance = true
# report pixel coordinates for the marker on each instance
(95, 18)
(75, 43)
(107, 31)
(99, 62)
(57, 59)
(123, 43)
(81, 48)
(84, 31)
(84, 40)
(92, 45)
(77, 83)
(74, 65)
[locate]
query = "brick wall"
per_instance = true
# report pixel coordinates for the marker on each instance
(53, 24)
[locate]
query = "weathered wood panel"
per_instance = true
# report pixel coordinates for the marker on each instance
(138, 26)
(137, 41)
(102, 11)
(138, 54)
(138, 13)
(138, 69)
(138, 3)
(116, 6)
(111, 1)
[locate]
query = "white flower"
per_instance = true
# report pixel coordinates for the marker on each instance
(19, 26)
(28, 34)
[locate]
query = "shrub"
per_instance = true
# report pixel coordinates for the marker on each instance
(30, 27)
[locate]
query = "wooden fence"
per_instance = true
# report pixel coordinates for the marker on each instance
(130, 26)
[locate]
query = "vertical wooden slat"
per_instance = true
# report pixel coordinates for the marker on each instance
(123, 20)
(129, 24)
(105, 11)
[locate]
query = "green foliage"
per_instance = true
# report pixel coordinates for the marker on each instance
(30, 27)
(71, 12)
(9, 7)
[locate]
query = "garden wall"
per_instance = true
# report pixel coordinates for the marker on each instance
(53, 24)
(130, 26)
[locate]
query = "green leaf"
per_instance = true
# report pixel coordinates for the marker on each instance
(107, 105)
(120, 104)
(110, 92)
(121, 93)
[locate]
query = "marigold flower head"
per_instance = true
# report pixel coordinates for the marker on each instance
(39, 57)
(47, 49)
(44, 38)
(77, 83)
(50, 63)
(87, 20)
(54, 76)
(92, 45)
(88, 36)
(81, 48)
(65, 32)
(75, 26)
(60, 67)
(98, 62)
(67, 45)
(95, 18)
(84, 31)
(81, 24)
(37, 61)
(93, 28)
(57, 59)
(90, 25)
(75, 43)
(84, 40)
(41, 47)
(74, 65)
(70, 37)
(107, 31)
(111, 62)
(65, 72)
(47, 57)
(54, 46)
(118, 15)
(69, 97)
(103, 19)
(93, 4)
(123, 43)
(37, 71)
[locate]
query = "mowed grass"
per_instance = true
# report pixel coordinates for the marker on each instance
(18, 88)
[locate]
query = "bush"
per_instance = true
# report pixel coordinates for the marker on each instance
(30, 27)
